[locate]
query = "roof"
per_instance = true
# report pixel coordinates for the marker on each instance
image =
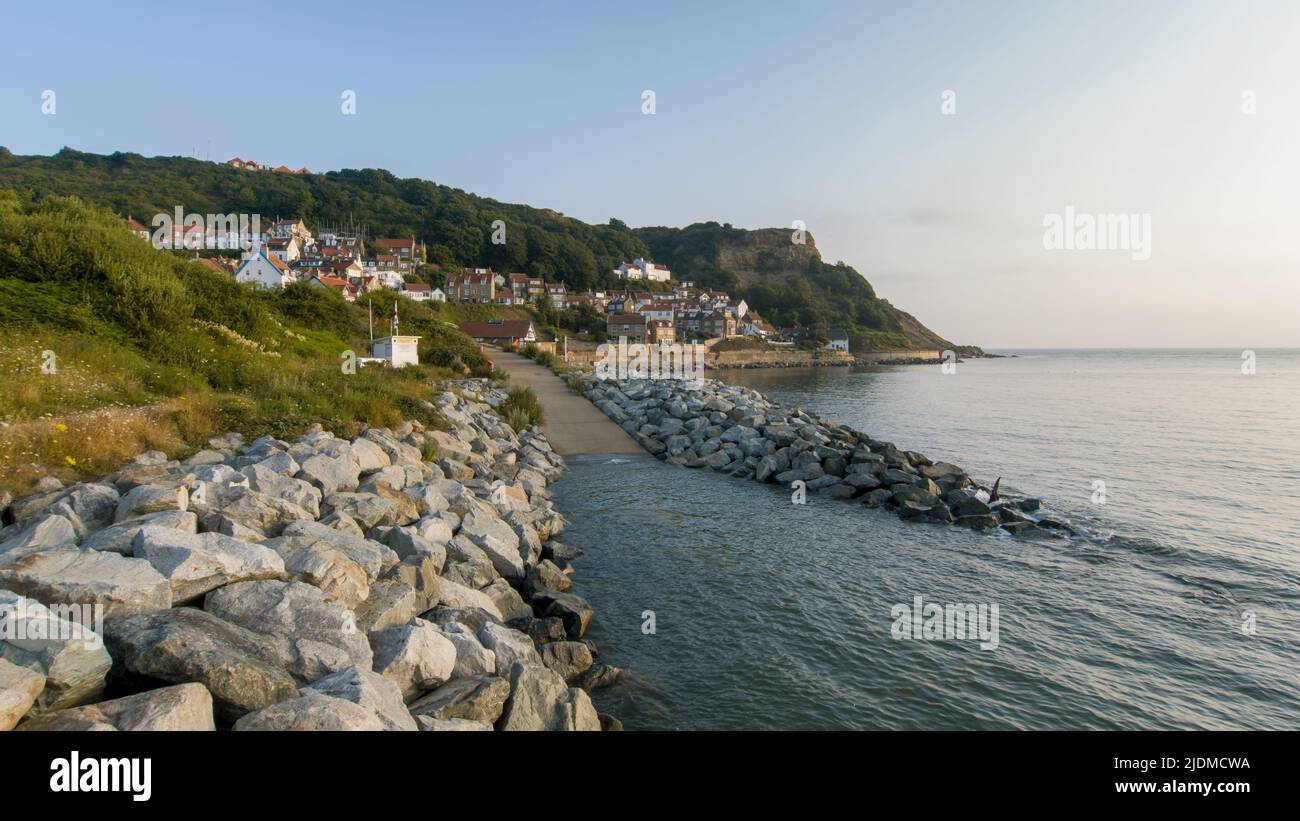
(626, 319)
(333, 282)
(416, 286)
(504, 329)
(837, 333)
(396, 243)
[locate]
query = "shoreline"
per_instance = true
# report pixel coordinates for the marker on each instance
(405, 579)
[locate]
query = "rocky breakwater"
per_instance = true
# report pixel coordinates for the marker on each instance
(737, 431)
(405, 579)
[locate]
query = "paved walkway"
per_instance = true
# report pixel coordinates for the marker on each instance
(573, 425)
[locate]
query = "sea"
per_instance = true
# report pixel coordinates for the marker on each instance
(731, 605)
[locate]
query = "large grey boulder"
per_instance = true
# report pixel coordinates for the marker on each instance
(243, 670)
(438, 725)
(196, 563)
(509, 645)
(391, 602)
(416, 656)
(368, 456)
(184, 707)
(301, 493)
(74, 576)
(120, 538)
(330, 474)
(313, 633)
(313, 711)
(366, 509)
(373, 557)
(472, 658)
(19, 688)
(70, 654)
(46, 531)
(329, 569)
(498, 540)
(144, 499)
(476, 698)
(508, 600)
(456, 595)
(368, 689)
(248, 508)
(540, 700)
(420, 573)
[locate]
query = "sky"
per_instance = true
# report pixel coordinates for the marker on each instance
(835, 114)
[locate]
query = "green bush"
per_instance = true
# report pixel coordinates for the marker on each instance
(521, 408)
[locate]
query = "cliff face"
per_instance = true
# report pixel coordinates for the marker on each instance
(768, 252)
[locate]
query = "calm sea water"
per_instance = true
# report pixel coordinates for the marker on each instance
(1180, 609)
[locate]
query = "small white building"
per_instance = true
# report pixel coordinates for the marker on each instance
(839, 340)
(397, 351)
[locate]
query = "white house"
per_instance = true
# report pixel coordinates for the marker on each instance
(839, 340)
(643, 269)
(437, 295)
(264, 270)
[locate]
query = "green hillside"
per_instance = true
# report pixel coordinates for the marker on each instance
(789, 284)
(112, 347)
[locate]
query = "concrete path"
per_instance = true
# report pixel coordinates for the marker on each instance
(573, 425)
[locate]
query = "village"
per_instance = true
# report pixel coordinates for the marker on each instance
(675, 311)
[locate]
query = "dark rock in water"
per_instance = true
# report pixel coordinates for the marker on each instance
(841, 490)
(1029, 505)
(559, 553)
(568, 658)
(1028, 530)
(610, 724)
(546, 630)
(966, 503)
(1055, 525)
(979, 522)
(1010, 514)
(877, 497)
(862, 481)
(598, 677)
(939, 512)
(910, 509)
(572, 610)
(913, 493)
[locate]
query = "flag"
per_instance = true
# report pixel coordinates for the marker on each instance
(394, 319)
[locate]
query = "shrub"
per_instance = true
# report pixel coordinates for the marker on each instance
(521, 405)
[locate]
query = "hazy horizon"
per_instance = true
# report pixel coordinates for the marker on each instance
(763, 116)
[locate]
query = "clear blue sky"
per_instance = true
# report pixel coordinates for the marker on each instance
(825, 112)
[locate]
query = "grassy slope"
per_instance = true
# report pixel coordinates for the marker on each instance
(152, 351)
